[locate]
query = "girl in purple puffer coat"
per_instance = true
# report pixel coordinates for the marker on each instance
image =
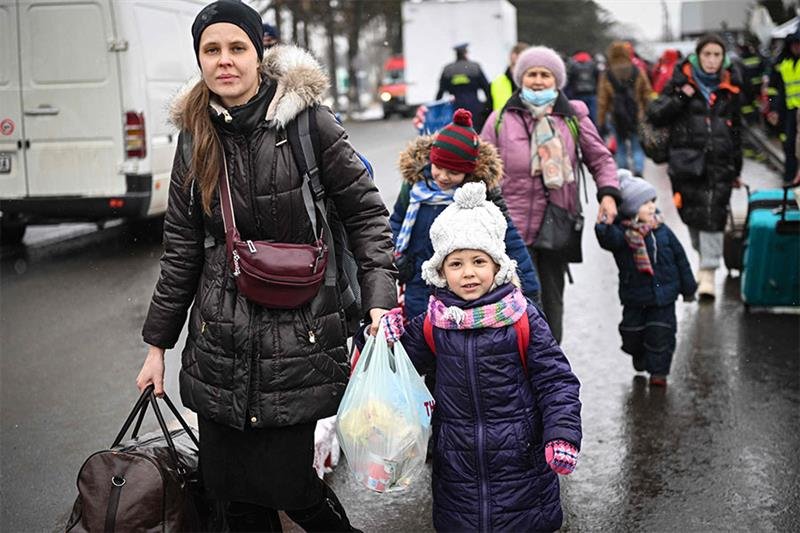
(507, 416)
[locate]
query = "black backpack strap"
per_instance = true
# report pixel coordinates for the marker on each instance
(301, 142)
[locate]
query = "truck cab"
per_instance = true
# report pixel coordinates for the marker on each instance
(392, 90)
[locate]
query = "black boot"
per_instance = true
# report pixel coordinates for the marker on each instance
(326, 516)
(248, 517)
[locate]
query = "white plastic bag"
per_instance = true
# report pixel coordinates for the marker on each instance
(384, 420)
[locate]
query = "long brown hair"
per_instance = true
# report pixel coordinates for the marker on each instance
(206, 148)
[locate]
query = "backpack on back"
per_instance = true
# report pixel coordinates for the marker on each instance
(625, 110)
(583, 77)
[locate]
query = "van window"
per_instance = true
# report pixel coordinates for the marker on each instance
(6, 46)
(167, 44)
(68, 43)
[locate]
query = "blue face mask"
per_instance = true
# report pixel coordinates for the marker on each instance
(538, 98)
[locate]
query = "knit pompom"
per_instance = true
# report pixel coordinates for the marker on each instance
(462, 117)
(471, 195)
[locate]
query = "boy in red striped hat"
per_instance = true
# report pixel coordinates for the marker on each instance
(433, 167)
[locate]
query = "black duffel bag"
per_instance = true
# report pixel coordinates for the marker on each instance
(147, 483)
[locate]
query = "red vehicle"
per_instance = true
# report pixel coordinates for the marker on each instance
(392, 91)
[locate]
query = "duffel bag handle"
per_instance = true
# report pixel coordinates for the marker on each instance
(140, 407)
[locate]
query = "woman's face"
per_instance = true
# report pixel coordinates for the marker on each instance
(469, 273)
(447, 179)
(711, 56)
(229, 63)
(538, 79)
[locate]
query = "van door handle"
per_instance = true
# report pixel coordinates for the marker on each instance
(42, 110)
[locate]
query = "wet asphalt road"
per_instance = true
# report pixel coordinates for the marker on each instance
(716, 451)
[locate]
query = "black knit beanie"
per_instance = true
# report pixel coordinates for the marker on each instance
(233, 11)
(709, 38)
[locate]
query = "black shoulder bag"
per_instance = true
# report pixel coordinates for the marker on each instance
(561, 230)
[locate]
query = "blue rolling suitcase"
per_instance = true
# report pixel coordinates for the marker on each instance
(771, 273)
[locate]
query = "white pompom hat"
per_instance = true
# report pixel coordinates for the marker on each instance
(470, 223)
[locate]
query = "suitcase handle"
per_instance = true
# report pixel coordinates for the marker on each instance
(140, 407)
(787, 227)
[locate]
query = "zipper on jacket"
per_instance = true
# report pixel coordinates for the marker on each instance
(251, 182)
(307, 322)
(472, 366)
(191, 198)
(253, 361)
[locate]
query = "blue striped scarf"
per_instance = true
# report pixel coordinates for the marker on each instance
(421, 193)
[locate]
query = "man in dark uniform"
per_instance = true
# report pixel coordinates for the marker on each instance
(462, 79)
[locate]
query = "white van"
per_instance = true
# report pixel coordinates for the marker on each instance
(85, 87)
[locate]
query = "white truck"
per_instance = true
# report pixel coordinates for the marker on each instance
(432, 28)
(85, 87)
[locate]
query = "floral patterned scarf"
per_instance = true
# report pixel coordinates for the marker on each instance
(549, 155)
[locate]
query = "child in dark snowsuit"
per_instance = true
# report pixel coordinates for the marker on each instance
(653, 271)
(507, 415)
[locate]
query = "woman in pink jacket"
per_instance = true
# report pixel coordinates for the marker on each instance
(541, 162)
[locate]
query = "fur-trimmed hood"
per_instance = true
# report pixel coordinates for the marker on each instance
(301, 83)
(417, 156)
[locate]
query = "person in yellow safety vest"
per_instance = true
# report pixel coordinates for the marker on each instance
(784, 100)
(503, 86)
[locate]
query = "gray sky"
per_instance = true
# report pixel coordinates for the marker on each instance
(646, 15)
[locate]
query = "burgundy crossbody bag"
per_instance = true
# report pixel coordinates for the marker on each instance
(277, 275)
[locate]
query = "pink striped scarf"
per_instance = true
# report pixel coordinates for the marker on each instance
(635, 232)
(504, 312)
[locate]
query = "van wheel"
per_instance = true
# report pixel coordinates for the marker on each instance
(12, 230)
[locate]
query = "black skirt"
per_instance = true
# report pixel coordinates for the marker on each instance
(270, 467)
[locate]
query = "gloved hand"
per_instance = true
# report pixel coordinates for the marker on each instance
(392, 323)
(561, 456)
(689, 298)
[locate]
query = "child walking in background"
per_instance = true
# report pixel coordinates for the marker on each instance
(653, 271)
(507, 415)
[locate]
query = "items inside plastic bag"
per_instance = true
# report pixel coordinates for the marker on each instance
(384, 420)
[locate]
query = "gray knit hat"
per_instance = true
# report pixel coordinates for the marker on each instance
(635, 192)
(471, 222)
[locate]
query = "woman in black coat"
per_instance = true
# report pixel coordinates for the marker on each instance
(701, 107)
(259, 378)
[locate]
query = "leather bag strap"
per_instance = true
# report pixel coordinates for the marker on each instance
(225, 200)
(139, 408)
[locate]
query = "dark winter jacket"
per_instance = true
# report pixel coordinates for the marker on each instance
(491, 421)
(414, 166)
(705, 147)
(672, 272)
(242, 363)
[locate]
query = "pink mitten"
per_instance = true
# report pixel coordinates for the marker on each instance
(392, 323)
(561, 456)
